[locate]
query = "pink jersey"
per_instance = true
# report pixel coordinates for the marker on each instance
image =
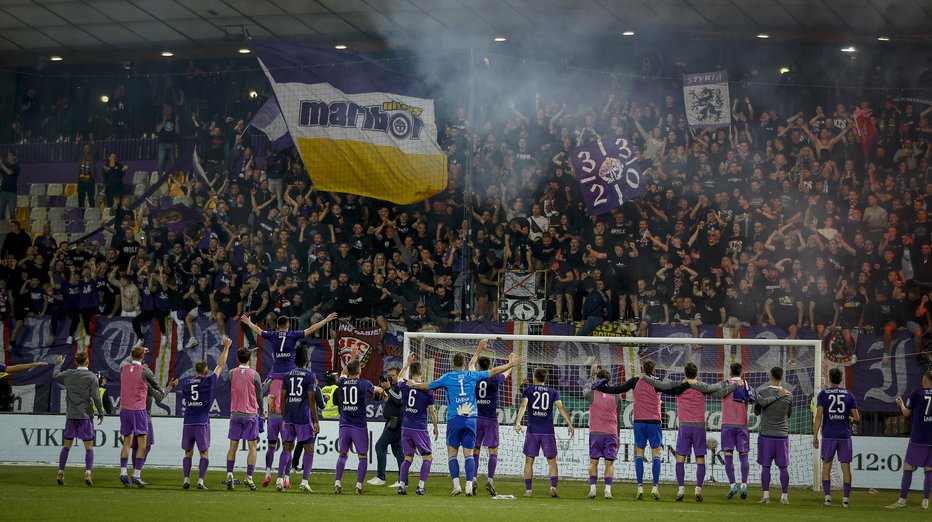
(646, 402)
(243, 391)
(133, 388)
(734, 413)
(603, 413)
(690, 406)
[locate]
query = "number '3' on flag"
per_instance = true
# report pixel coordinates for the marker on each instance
(607, 173)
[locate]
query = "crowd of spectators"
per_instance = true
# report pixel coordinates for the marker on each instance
(786, 220)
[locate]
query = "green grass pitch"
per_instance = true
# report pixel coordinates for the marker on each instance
(30, 493)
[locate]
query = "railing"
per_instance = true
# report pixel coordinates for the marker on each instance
(126, 150)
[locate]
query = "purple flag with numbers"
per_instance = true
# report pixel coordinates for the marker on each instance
(608, 174)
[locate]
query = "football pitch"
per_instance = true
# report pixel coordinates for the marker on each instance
(30, 493)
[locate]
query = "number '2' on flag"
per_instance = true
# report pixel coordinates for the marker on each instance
(607, 173)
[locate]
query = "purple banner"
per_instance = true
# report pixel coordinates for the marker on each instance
(877, 382)
(607, 173)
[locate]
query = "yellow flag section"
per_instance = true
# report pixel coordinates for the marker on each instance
(358, 127)
(377, 171)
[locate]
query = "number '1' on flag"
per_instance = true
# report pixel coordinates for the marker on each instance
(360, 127)
(608, 174)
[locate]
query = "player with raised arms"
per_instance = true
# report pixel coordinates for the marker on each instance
(604, 411)
(417, 406)
(647, 429)
(774, 407)
(198, 395)
(245, 411)
(284, 341)
(836, 407)
(735, 434)
(487, 420)
(460, 388)
(918, 407)
(352, 392)
(300, 422)
(135, 380)
(539, 400)
(82, 395)
(691, 433)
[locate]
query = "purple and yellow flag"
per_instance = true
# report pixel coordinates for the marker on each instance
(360, 127)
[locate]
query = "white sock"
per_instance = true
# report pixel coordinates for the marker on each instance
(744, 485)
(456, 483)
(420, 483)
(338, 483)
(87, 473)
(766, 494)
(359, 485)
(732, 484)
(698, 490)
(200, 481)
(608, 488)
(681, 490)
(303, 482)
(229, 476)
(469, 485)
(592, 488)
(187, 480)
(828, 497)
(490, 481)
(137, 473)
(268, 472)
(123, 470)
(783, 496)
(844, 499)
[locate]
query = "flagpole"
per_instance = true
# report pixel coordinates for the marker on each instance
(467, 298)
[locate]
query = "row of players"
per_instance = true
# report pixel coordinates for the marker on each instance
(472, 420)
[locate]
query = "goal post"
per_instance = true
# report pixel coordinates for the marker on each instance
(568, 360)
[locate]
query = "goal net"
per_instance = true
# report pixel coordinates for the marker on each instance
(568, 361)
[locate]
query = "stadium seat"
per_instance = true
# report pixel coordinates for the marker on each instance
(37, 189)
(58, 227)
(4, 226)
(39, 214)
(71, 189)
(22, 201)
(71, 201)
(74, 214)
(92, 214)
(60, 237)
(37, 201)
(154, 178)
(36, 226)
(140, 177)
(22, 214)
(55, 189)
(139, 190)
(90, 226)
(55, 214)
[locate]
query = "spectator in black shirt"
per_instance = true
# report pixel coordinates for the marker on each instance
(9, 179)
(16, 242)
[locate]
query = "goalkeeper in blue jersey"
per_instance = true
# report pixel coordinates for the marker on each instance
(460, 387)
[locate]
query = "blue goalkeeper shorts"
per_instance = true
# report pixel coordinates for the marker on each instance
(461, 431)
(647, 434)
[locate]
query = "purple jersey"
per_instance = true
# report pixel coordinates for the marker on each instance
(487, 396)
(540, 401)
(353, 392)
(296, 386)
(198, 394)
(72, 295)
(415, 403)
(836, 404)
(920, 402)
(284, 344)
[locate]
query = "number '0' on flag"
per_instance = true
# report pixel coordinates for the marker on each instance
(608, 174)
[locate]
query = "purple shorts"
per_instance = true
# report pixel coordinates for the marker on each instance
(734, 438)
(534, 443)
(303, 433)
(244, 428)
(192, 434)
(79, 429)
(603, 446)
(841, 447)
(773, 449)
(691, 439)
(918, 455)
(134, 422)
(273, 429)
(358, 437)
(486, 432)
(412, 440)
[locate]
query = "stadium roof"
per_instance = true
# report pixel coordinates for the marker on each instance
(31, 28)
